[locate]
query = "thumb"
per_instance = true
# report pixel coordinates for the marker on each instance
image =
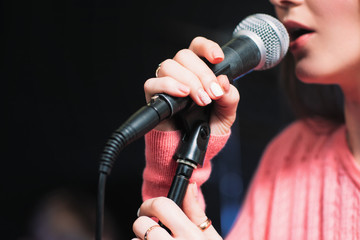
(191, 205)
(194, 211)
(224, 111)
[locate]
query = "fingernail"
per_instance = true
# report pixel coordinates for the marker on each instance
(138, 212)
(204, 97)
(216, 89)
(217, 54)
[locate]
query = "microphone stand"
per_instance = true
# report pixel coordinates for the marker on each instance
(191, 151)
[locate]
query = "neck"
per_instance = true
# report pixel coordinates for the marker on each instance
(352, 119)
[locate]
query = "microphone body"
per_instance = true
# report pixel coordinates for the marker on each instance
(241, 56)
(259, 42)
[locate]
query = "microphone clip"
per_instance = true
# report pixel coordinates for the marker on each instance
(193, 145)
(191, 150)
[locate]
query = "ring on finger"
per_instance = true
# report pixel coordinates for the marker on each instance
(146, 236)
(157, 70)
(205, 225)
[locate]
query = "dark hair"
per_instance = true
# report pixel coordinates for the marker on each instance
(311, 100)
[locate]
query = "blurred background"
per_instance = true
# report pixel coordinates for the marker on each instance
(72, 72)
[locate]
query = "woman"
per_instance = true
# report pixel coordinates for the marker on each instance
(308, 183)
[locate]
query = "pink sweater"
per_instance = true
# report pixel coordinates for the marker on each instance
(307, 185)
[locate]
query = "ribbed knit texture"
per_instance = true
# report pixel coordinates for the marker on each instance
(307, 186)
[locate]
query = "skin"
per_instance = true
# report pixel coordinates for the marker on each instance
(326, 56)
(186, 74)
(331, 54)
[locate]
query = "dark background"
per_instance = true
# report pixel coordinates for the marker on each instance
(73, 71)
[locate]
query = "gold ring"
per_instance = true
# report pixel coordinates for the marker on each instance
(157, 70)
(149, 230)
(205, 225)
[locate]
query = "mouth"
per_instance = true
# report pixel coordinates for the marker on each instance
(297, 30)
(297, 33)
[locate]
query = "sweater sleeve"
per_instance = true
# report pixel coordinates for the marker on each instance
(160, 165)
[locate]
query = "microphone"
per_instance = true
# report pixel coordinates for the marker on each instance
(259, 42)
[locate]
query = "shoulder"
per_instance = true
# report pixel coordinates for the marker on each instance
(297, 140)
(287, 136)
(306, 130)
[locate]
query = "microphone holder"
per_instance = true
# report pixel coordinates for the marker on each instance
(190, 155)
(191, 150)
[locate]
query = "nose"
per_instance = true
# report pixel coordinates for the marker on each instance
(284, 7)
(286, 3)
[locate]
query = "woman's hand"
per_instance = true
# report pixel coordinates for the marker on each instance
(183, 225)
(186, 74)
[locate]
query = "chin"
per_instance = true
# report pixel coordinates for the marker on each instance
(306, 76)
(309, 72)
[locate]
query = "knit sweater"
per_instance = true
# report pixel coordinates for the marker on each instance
(307, 185)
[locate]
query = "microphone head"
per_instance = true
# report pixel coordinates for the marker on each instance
(270, 36)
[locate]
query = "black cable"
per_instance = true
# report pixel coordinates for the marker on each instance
(100, 206)
(141, 122)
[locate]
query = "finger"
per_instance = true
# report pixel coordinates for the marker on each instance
(166, 85)
(224, 111)
(228, 103)
(170, 215)
(189, 60)
(145, 225)
(195, 213)
(224, 82)
(172, 68)
(206, 48)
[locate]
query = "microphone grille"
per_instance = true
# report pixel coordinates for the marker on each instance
(269, 34)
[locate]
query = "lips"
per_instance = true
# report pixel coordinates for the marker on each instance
(299, 34)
